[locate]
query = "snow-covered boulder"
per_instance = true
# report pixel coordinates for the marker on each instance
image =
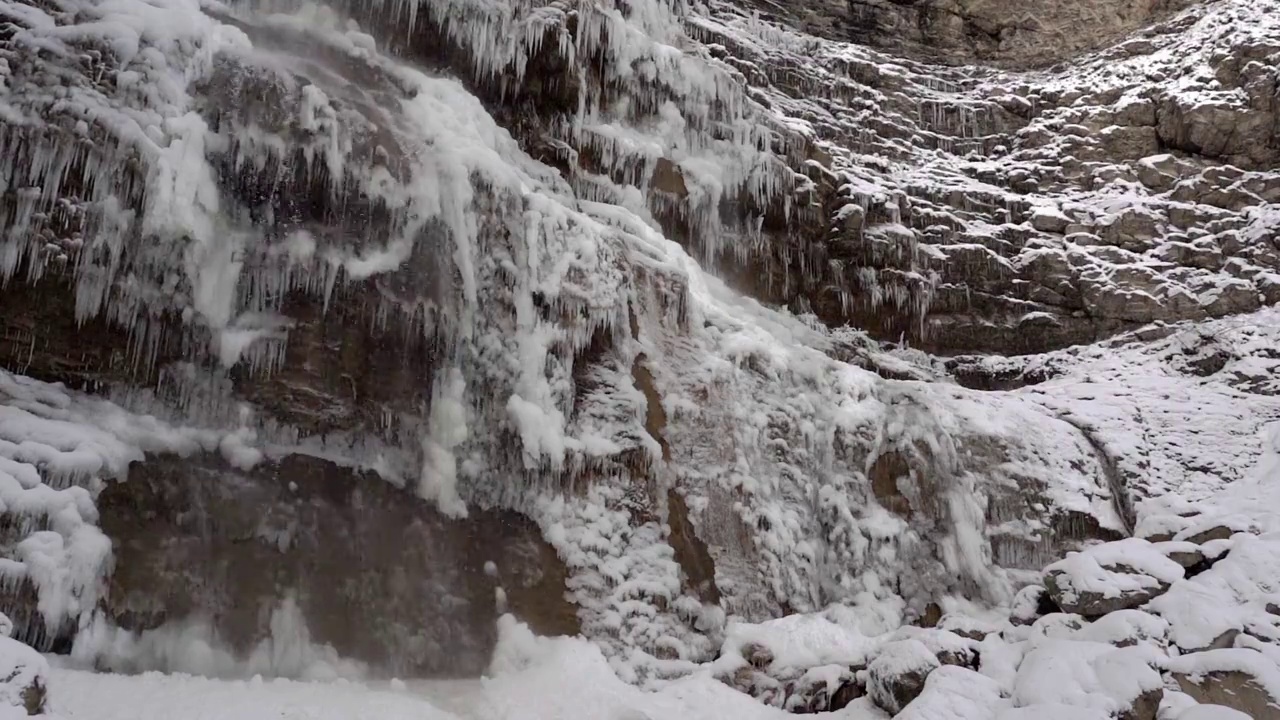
(24, 677)
(1121, 628)
(1117, 681)
(956, 693)
(822, 689)
(948, 647)
(967, 627)
(802, 663)
(1186, 554)
(1244, 680)
(1029, 604)
(1204, 531)
(1112, 576)
(898, 673)
(1210, 609)
(1212, 712)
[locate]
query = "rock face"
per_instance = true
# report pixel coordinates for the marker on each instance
(376, 574)
(614, 295)
(1032, 33)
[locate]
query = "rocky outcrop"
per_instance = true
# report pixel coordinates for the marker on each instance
(375, 573)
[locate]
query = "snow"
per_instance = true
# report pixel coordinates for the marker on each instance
(955, 693)
(801, 641)
(1260, 669)
(1095, 570)
(1211, 712)
(1226, 597)
(531, 679)
(1052, 712)
(20, 668)
(1085, 675)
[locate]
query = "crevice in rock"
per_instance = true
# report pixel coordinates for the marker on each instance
(691, 552)
(1121, 501)
(884, 475)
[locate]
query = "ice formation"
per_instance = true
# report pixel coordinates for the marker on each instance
(548, 213)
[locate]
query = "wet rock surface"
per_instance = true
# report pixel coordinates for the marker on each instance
(375, 572)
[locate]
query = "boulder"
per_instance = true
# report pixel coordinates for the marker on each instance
(825, 688)
(967, 627)
(1215, 125)
(1243, 680)
(1186, 554)
(24, 678)
(898, 673)
(1237, 587)
(1031, 603)
(1159, 172)
(956, 693)
(1112, 576)
(1082, 674)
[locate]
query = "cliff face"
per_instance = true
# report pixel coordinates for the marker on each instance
(582, 311)
(1031, 34)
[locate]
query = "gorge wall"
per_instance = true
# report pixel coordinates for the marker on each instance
(351, 327)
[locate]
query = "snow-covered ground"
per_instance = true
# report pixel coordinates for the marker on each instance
(533, 679)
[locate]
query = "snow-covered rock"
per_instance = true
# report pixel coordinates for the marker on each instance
(1244, 680)
(1113, 576)
(955, 693)
(897, 675)
(1031, 603)
(1120, 682)
(24, 679)
(1208, 610)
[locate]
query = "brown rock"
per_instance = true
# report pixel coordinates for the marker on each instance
(376, 572)
(1200, 537)
(1237, 685)
(1096, 604)
(898, 674)
(1145, 707)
